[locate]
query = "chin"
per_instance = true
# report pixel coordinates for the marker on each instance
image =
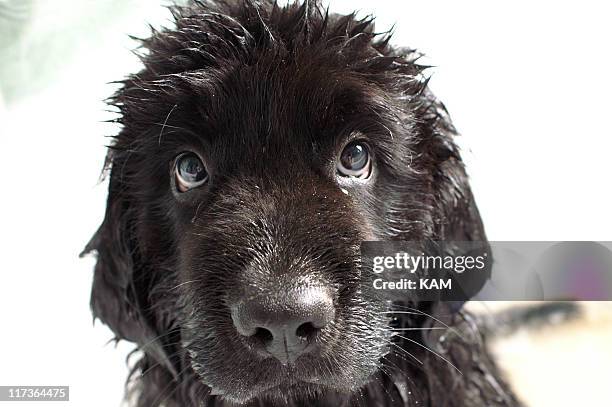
(288, 392)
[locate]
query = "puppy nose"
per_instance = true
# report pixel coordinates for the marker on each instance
(287, 324)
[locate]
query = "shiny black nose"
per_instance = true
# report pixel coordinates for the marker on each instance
(287, 324)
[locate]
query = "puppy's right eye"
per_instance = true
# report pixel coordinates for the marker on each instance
(190, 172)
(355, 161)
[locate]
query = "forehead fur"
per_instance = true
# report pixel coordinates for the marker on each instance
(207, 34)
(212, 40)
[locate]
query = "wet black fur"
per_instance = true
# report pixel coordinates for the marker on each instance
(269, 95)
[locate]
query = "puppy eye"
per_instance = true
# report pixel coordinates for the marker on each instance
(189, 171)
(354, 161)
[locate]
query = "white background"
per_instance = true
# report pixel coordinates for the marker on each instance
(527, 83)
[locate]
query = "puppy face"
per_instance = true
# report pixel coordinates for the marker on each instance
(260, 146)
(293, 169)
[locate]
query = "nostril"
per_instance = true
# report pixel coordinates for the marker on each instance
(263, 335)
(285, 325)
(306, 331)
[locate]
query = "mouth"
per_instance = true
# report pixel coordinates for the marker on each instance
(294, 389)
(283, 389)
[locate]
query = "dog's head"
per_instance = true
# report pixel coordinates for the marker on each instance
(260, 146)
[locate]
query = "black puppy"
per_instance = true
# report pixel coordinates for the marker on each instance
(260, 146)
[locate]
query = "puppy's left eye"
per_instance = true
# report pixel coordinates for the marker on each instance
(189, 171)
(354, 161)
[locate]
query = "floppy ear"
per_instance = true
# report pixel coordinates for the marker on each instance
(458, 219)
(115, 298)
(458, 215)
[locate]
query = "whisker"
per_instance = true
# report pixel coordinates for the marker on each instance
(394, 353)
(184, 283)
(418, 329)
(396, 368)
(401, 312)
(415, 311)
(432, 351)
(405, 351)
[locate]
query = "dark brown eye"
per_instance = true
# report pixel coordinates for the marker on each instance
(189, 171)
(354, 161)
